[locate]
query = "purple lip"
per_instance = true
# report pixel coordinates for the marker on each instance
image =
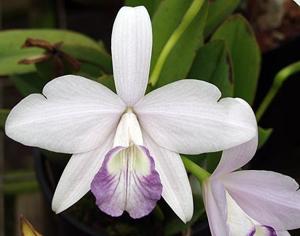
(127, 189)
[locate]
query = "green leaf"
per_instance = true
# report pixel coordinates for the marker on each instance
(90, 71)
(45, 71)
(165, 21)
(263, 136)
(213, 64)
(92, 64)
(3, 115)
(87, 55)
(246, 57)
(28, 83)
(75, 44)
(150, 5)
(218, 11)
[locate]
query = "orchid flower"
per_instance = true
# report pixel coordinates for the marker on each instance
(250, 202)
(126, 147)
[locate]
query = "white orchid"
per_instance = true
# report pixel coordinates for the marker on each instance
(126, 147)
(250, 202)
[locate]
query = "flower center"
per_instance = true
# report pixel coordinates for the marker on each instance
(128, 131)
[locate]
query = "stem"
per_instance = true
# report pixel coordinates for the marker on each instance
(186, 21)
(281, 76)
(200, 173)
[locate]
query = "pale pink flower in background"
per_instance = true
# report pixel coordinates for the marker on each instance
(250, 202)
(126, 146)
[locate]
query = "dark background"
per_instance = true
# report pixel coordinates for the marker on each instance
(95, 18)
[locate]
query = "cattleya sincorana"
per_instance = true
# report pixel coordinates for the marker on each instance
(126, 146)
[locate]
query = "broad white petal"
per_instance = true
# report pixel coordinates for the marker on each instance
(236, 157)
(131, 47)
(270, 198)
(176, 187)
(73, 115)
(76, 179)
(186, 117)
(215, 205)
(297, 1)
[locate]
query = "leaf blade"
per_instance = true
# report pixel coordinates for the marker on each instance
(246, 57)
(213, 64)
(11, 51)
(218, 11)
(182, 54)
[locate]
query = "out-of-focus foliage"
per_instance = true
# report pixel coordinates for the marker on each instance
(19, 182)
(80, 46)
(3, 115)
(28, 83)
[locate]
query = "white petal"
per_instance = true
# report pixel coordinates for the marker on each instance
(73, 115)
(176, 188)
(270, 198)
(76, 179)
(297, 1)
(186, 117)
(131, 47)
(215, 205)
(236, 157)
